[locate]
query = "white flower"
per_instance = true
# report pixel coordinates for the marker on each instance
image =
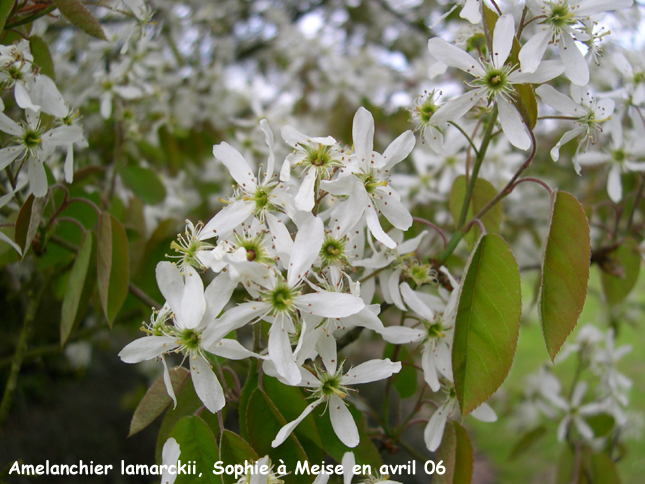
(559, 28)
(433, 433)
(195, 330)
(573, 410)
(281, 299)
(331, 388)
(437, 335)
(33, 145)
(319, 156)
(251, 197)
(582, 107)
(622, 156)
(494, 80)
(364, 181)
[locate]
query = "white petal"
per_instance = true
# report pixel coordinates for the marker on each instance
(394, 211)
(546, 71)
(281, 238)
(430, 370)
(193, 303)
(329, 304)
(348, 463)
(578, 392)
(484, 413)
(433, 433)
(45, 94)
(343, 422)
(68, 167)
(566, 137)
(393, 288)
(8, 125)
(398, 150)
(168, 383)
(7, 155)
(363, 133)
(268, 137)
(416, 304)
(37, 177)
(281, 354)
(23, 99)
(231, 349)
(305, 198)
(503, 36)
(306, 248)
(400, 335)
(583, 427)
(217, 295)
(575, 65)
(206, 384)
(512, 124)
(232, 319)
(287, 429)
(377, 230)
(169, 456)
(559, 101)
(593, 7)
(614, 184)
(471, 11)
(458, 106)
(562, 428)
(236, 164)
(532, 52)
(352, 210)
(452, 55)
(326, 346)
(370, 371)
(146, 348)
(227, 219)
(10, 242)
(171, 284)
(366, 317)
(63, 135)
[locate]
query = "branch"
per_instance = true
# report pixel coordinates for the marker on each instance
(32, 304)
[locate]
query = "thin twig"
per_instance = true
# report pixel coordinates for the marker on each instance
(431, 225)
(31, 308)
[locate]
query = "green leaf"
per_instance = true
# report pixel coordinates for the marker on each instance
(483, 193)
(487, 322)
(6, 6)
(113, 264)
(247, 390)
(566, 467)
(28, 222)
(197, 444)
(565, 270)
(188, 403)
(456, 452)
(74, 290)
(615, 288)
(156, 399)
(601, 424)
(526, 441)
(78, 15)
(145, 184)
(405, 381)
(234, 450)
(264, 421)
(42, 56)
(604, 469)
